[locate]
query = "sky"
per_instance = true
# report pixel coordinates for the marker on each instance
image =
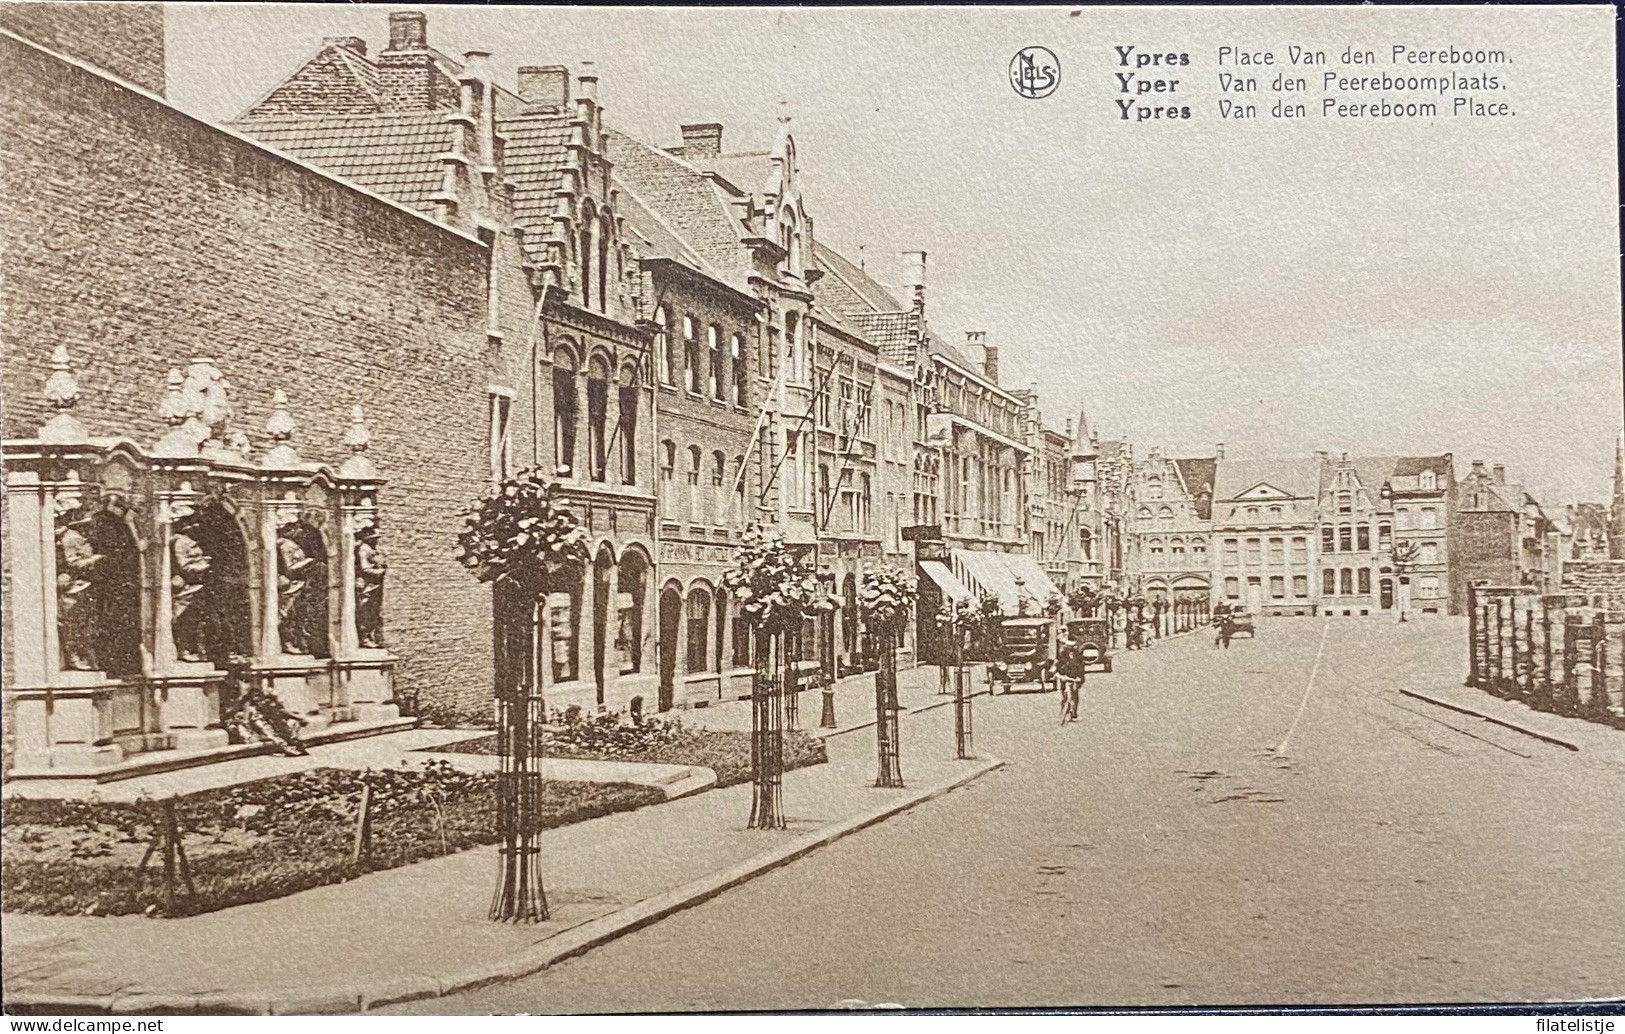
(1375, 286)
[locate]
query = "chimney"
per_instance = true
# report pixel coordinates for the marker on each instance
(1500, 472)
(1218, 451)
(1478, 467)
(588, 83)
(354, 44)
(914, 279)
(406, 68)
(408, 30)
(544, 87)
(702, 139)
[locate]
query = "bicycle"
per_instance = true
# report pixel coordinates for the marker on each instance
(1069, 699)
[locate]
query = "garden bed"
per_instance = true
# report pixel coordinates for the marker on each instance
(264, 839)
(657, 741)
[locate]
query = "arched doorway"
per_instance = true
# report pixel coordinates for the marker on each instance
(602, 565)
(632, 586)
(849, 621)
(671, 612)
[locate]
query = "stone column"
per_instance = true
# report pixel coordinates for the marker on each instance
(31, 550)
(349, 643)
(612, 628)
(587, 632)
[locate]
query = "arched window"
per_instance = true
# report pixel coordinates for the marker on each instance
(1145, 513)
(1165, 515)
(691, 355)
(626, 430)
(597, 418)
(1347, 582)
(1176, 546)
(719, 491)
(1155, 547)
(603, 234)
(564, 411)
(665, 358)
(1153, 488)
(699, 620)
(794, 370)
(719, 661)
(739, 491)
(668, 478)
(1328, 582)
(585, 256)
(737, 348)
(694, 513)
(717, 381)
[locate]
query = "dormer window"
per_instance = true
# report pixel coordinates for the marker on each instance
(1430, 481)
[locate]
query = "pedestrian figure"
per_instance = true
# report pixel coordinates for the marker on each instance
(1070, 669)
(1227, 628)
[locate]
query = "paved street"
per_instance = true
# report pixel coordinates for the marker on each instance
(1159, 852)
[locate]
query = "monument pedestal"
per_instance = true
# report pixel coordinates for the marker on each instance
(66, 726)
(366, 681)
(304, 686)
(189, 701)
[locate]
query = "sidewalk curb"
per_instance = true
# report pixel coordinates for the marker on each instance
(1493, 721)
(566, 944)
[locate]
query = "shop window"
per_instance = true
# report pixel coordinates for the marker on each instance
(699, 621)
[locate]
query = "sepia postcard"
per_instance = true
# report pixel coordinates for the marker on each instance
(649, 510)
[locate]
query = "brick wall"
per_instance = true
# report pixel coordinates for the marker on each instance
(139, 237)
(1597, 578)
(1484, 547)
(126, 39)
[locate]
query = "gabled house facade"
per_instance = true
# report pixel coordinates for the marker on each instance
(526, 171)
(1172, 526)
(1265, 523)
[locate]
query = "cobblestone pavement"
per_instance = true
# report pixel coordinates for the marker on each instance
(1208, 833)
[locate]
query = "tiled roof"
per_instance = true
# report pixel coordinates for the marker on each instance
(1373, 471)
(653, 237)
(689, 202)
(533, 163)
(396, 154)
(1198, 475)
(857, 288)
(1300, 477)
(749, 172)
(1411, 466)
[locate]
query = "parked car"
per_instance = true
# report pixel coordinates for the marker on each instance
(1093, 636)
(1025, 653)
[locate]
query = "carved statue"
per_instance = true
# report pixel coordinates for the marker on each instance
(293, 566)
(369, 588)
(77, 582)
(188, 577)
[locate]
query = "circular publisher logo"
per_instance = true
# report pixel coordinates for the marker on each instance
(1035, 72)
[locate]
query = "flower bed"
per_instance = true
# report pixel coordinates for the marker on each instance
(265, 839)
(609, 737)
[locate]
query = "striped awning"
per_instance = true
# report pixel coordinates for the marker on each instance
(952, 588)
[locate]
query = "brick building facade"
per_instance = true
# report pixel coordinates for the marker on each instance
(527, 171)
(141, 239)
